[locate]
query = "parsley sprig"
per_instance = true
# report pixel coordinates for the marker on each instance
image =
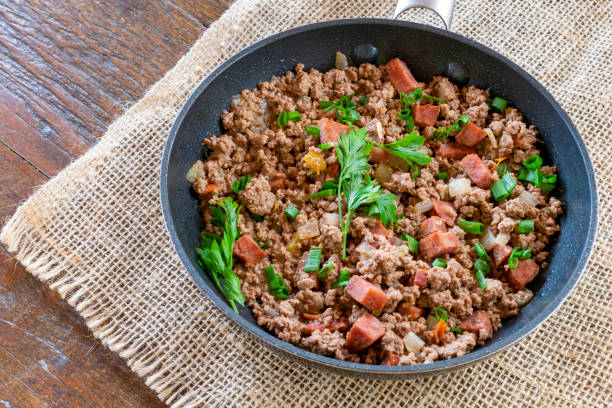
(410, 149)
(215, 254)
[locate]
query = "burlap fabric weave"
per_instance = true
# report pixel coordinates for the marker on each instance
(95, 233)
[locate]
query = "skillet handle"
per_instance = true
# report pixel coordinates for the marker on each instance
(443, 8)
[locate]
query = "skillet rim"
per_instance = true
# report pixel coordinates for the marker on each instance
(358, 369)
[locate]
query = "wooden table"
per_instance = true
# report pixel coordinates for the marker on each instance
(67, 69)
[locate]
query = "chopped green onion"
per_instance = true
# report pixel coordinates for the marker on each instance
(291, 212)
(410, 123)
(284, 117)
(441, 133)
(413, 244)
(481, 265)
(276, 284)
(545, 182)
(548, 182)
(327, 105)
(263, 245)
(499, 104)
(480, 279)
(502, 169)
(364, 100)
(241, 183)
(498, 191)
(342, 279)
(456, 329)
(294, 116)
(525, 226)
(313, 260)
(329, 188)
(533, 162)
(440, 314)
(443, 175)
(439, 262)
(313, 130)
(509, 182)
(325, 269)
(516, 254)
(325, 146)
(480, 251)
(323, 193)
(472, 227)
(404, 114)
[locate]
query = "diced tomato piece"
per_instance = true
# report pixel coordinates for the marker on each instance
(366, 293)
(247, 250)
(420, 278)
(380, 229)
(410, 311)
(431, 225)
(331, 130)
(523, 274)
(477, 170)
(477, 322)
(202, 187)
(439, 243)
(425, 115)
(444, 210)
(277, 181)
(333, 169)
(438, 334)
(501, 253)
(454, 150)
(391, 360)
(400, 76)
(365, 331)
(334, 325)
(470, 135)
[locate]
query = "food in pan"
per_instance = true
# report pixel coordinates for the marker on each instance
(366, 216)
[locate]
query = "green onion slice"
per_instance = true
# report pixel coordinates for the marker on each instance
(480, 279)
(276, 284)
(481, 265)
(472, 227)
(533, 162)
(313, 260)
(413, 244)
(439, 262)
(343, 279)
(526, 226)
(404, 113)
(291, 212)
(502, 169)
(313, 130)
(499, 104)
(498, 191)
(440, 314)
(516, 254)
(325, 269)
(325, 146)
(443, 175)
(509, 182)
(480, 251)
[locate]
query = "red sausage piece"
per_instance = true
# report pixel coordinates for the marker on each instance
(501, 253)
(365, 331)
(330, 130)
(431, 225)
(522, 275)
(366, 293)
(477, 170)
(439, 243)
(425, 115)
(248, 251)
(454, 150)
(478, 322)
(470, 135)
(400, 76)
(444, 210)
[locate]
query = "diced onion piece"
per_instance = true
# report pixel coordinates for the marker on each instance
(423, 206)
(195, 172)
(315, 161)
(330, 219)
(459, 186)
(341, 61)
(502, 239)
(413, 343)
(308, 230)
(364, 251)
(235, 101)
(292, 246)
(529, 199)
(491, 137)
(383, 173)
(488, 240)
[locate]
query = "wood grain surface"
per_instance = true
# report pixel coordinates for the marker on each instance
(67, 69)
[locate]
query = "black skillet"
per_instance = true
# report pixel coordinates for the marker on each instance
(429, 51)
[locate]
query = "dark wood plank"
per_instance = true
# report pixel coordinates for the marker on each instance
(67, 69)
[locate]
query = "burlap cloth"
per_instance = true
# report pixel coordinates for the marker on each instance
(95, 233)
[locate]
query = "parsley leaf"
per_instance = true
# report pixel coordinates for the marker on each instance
(215, 254)
(241, 183)
(385, 207)
(410, 150)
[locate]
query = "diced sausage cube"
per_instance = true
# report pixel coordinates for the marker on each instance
(380, 229)
(425, 115)
(366, 293)
(365, 331)
(331, 130)
(454, 150)
(501, 253)
(247, 250)
(444, 210)
(477, 170)
(420, 278)
(479, 323)
(277, 181)
(410, 311)
(439, 243)
(522, 275)
(431, 225)
(334, 325)
(390, 360)
(400, 76)
(470, 135)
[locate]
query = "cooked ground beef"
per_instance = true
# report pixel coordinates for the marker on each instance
(405, 287)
